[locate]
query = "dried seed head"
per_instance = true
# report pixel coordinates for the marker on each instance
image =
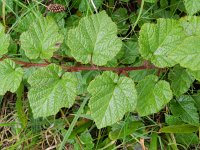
(56, 8)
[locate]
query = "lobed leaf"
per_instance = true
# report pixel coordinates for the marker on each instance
(157, 41)
(181, 80)
(187, 54)
(153, 95)
(191, 25)
(195, 74)
(4, 40)
(51, 89)
(95, 39)
(112, 97)
(26, 21)
(184, 108)
(10, 75)
(41, 39)
(192, 6)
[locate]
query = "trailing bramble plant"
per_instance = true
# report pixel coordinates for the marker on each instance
(115, 77)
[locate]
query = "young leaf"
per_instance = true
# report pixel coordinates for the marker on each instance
(95, 39)
(185, 109)
(112, 97)
(187, 53)
(10, 75)
(158, 40)
(181, 80)
(4, 40)
(192, 6)
(184, 128)
(51, 90)
(41, 39)
(153, 95)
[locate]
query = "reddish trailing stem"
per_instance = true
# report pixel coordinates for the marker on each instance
(82, 67)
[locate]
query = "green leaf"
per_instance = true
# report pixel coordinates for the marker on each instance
(184, 108)
(185, 128)
(1, 99)
(192, 6)
(164, 4)
(173, 120)
(86, 140)
(86, 5)
(196, 98)
(181, 80)
(51, 89)
(125, 1)
(95, 39)
(12, 48)
(154, 141)
(10, 75)
(130, 49)
(187, 54)
(195, 74)
(41, 39)
(138, 75)
(80, 129)
(24, 23)
(21, 115)
(64, 48)
(158, 40)
(120, 17)
(8, 7)
(153, 95)
(124, 130)
(150, 1)
(191, 25)
(59, 18)
(187, 139)
(4, 40)
(177, 5)
(112, 97)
